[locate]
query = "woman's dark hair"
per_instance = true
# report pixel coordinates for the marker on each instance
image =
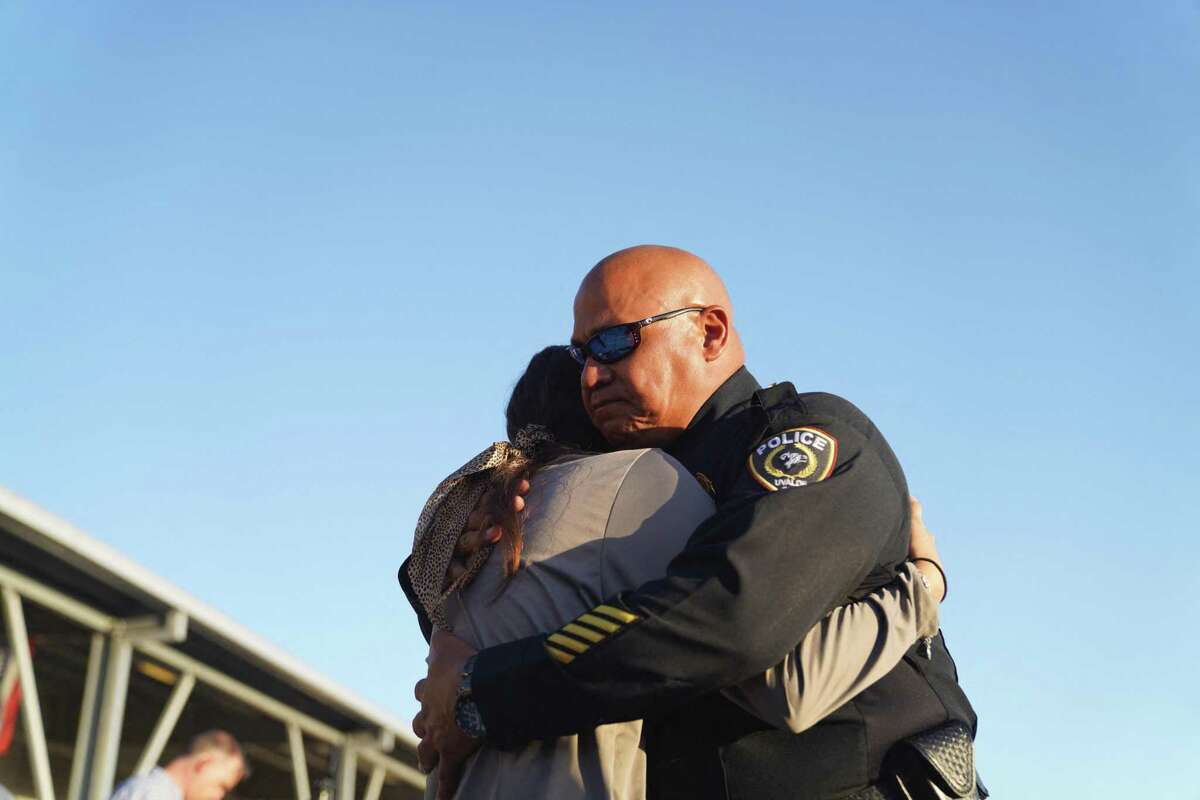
(547, 394)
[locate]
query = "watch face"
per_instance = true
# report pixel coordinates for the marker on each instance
(467, 717)
(466, 713)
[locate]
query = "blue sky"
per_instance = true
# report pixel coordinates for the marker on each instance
(268, 272)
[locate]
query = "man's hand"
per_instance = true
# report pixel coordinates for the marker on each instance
(443, 744)
(481, 531)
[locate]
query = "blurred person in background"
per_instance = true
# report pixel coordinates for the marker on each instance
(212, 766)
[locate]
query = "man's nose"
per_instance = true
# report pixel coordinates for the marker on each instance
(594, 374)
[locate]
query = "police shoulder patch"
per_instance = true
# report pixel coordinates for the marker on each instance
(795, 457)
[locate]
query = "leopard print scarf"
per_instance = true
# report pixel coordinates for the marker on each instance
(445, 515)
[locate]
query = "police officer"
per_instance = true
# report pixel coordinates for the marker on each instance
(812, 512)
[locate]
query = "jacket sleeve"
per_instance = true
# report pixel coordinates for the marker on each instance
(751, 582)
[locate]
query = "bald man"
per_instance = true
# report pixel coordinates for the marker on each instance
(812, 513)
(209, 770)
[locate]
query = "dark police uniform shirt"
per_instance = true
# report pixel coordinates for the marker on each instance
(812, 511)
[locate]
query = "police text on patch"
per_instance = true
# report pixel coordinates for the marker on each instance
(795, 457)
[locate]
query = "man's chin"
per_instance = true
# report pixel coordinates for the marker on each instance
(628, 435)
(622, 434)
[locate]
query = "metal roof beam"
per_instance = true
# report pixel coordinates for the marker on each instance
(169, 627)
(56, 601)
(239, 690)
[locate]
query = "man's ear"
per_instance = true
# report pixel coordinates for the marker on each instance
(715, 321)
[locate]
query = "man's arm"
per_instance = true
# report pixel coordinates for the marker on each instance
(851, 648)
(855, 645)
(751, 582)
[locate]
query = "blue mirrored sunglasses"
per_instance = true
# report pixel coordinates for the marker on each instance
(610, 345)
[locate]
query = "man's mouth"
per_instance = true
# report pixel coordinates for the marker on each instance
(598, 403)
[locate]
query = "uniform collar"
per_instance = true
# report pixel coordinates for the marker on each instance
(736, 391)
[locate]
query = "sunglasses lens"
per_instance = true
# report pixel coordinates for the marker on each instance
(578, 353)
(613, 344)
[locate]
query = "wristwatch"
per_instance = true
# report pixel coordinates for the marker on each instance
(466, 712)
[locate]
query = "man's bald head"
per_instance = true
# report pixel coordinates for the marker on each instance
(667, 275)
(651, 395)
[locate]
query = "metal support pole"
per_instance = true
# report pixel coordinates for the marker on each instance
(375, 787)
(87, 719)
(112, 714)
(394, 768)
(166, 724)
(299, 762)
(31, 709)
(347, 771)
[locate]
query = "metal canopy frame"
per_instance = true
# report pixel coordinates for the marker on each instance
(106, 684)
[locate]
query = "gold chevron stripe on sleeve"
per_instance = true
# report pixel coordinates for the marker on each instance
(567, 642)
(601, 623)
(559, 655)
(582, 632)
(618, 614)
